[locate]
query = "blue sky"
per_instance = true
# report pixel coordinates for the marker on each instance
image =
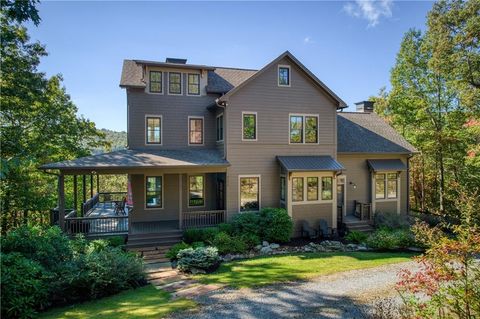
(351, 45)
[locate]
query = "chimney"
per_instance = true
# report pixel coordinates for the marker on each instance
(176, 60)
(365, 106)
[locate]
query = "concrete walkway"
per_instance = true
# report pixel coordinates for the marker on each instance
(342, 295)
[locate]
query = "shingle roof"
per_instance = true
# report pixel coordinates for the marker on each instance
(368, 133)
(144, 159)
(309, 163)
(386, 165)
(132, 75)
(222, 80)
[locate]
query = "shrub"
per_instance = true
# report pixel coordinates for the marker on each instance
(277, 226)
(173, 251)
(356, 237)
(228, 244)
(205, 235)
(385, 238)
(226, 228)
(23, 287)
(116, 241)
(201, 259)
(391, 220)
(209, 234)
(250, 240)
(247, 223)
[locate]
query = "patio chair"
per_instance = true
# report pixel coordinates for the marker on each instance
(308, 231)
(323, 229)
(120, 207)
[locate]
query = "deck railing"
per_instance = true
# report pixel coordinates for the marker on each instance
(203, 218)
(89, 204)
(364, 211)
(97, 225)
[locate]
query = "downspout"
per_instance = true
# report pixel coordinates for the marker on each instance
(408, 183)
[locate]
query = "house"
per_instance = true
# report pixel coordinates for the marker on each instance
(206, 143)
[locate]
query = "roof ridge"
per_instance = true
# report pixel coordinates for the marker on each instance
(357, 113)
(234, 68)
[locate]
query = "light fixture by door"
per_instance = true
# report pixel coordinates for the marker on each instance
(353, 185)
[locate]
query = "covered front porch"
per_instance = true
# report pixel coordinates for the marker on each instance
(167, 191)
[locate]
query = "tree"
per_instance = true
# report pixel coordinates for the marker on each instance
(38, 120)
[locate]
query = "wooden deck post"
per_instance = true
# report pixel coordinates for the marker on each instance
(98, 183)
(61, 201)
(75, 193)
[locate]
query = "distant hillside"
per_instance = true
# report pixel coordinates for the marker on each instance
(118, 141)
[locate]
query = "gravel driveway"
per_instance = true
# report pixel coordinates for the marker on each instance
(342, 295)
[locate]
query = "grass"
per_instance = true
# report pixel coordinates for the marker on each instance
(268, 270)
(146, 302)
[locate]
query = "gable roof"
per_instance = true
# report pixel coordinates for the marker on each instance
(341, 103)
(359, 132)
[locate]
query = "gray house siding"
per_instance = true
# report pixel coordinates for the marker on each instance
(312, 214)
(358, 173)
(273, 104)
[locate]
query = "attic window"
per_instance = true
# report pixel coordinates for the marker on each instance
(283, 75)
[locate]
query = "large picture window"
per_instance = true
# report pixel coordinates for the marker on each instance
(154, 130)
(303, 129)
(297, 189)
(249, 126)
(174, 83)
(312, 188)
(194, 84)
(155, 82)
(327, 188)
(195, 131)
(153, 188)
(249, 193)
(196, 188)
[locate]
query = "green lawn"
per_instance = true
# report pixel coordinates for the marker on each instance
(146, 302)
(267, 270)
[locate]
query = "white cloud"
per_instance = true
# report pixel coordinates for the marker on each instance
(308, 40)
(370, 10)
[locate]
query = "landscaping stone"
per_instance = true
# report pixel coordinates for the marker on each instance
(265, 243)
(333, 245)
(274, 246)
(258, 247)
(266, 250)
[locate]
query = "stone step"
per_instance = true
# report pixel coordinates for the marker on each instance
(156, 261)
(151, 244)
(159, 267)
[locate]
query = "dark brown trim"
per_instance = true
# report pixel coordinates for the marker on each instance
(146, 130)
(188, 83)
(169, 84)
(150, 81)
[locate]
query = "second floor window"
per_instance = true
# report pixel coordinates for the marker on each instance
(154, 130)
(155, 82)
(195, 131)
(194, 84)
(174, 83)
(196, 191)
(220, 127)
(284, 76)
(249, 126)
(303, 129)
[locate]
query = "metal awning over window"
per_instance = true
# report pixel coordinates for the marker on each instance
(386, 165)
(309, 163)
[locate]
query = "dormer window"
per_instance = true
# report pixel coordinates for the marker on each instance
(193, 84)
(283, 75)
(174, 83)
(155, 82)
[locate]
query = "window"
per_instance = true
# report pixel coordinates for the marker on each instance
(154, 130)
(220, 127)
(249, 126)
(296, 129)
(153, 194)
(380, 186)
(312, 188)
(194, 84)
(249, 193)
(196, 191)
(392, 185)
(327, 187)
(174, 83)
(282, 188)
(284, 76)
(195, 131)
(156, 82)
(311, 130)
(303, 129)
(297, 189)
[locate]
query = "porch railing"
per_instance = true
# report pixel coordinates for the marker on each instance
(89, 204)
(364, 211)
(97, 225)
(203, 218)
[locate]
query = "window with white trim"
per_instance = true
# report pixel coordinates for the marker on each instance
(156, 82)
(297, 189)
(303, 129)
(249, 126)
(193, 84)
(174, 83)
(312, 188)
(386, 185)
(153, 130)
(327, 188)
(153, 192)
(196, 190)
(249, 193)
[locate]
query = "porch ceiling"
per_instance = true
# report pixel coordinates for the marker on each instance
(309, 163)
(138, 159)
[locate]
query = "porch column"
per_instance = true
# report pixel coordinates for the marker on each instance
(180, 199)
(289, 194)
(61, 201)
(75, 191)
(84, 180)
(98, 183)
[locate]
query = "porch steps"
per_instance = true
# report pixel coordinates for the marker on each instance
(153, 241)
(359, 225)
